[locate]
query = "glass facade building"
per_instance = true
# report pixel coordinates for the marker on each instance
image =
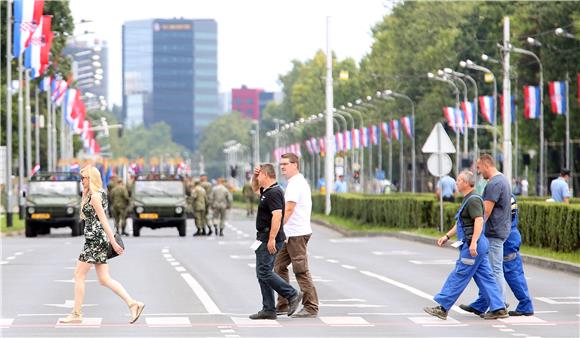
(170, 75)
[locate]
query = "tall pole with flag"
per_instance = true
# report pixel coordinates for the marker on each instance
(28, 121)
(8, 114)
(20, 140)
(329, 159)
(507, 116)
(568, 123)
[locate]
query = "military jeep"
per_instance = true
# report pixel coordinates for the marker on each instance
(158, 203)
(53, 200)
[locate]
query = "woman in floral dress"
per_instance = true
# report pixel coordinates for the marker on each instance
(98, 234)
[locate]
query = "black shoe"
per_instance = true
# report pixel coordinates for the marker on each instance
(470, 309)
(198, 233)
(221, 232)
(517, 314)
(281, 312)
(304, 314)
(501, 313)
(293, 303)
(436, 311)
(264, 315)
(209, 231)
(216, 230)
(203, 232)
(124, 233)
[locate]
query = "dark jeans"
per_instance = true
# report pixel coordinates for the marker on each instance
(270, 281)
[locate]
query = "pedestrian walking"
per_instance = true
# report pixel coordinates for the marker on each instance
(199, 204)
(220, 200)
(269, 240)
(473, 256)
(120, 204)
(559, 187)
(497, 217)
(297, 228)
(207, 186)
(98, 235)
(447, 187)
(249, 197)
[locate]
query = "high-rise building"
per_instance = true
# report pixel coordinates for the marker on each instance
(250, 101)
(89, 71)
(170, 75)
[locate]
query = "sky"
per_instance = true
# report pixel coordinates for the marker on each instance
(257, 39)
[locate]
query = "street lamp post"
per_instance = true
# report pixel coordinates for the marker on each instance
(350, 108)
(445, 73)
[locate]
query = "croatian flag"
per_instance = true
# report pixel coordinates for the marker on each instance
(375, 134)
(69, 103)
(338, 141)
(487, 108)
(308, 147)
(32, 53)
(459, 120)
(365, 136)
(396, 129)
(74, 167)
(46, 42)
(35, 169)
(25, 12)
(356, 138)
(314, 145)
(347, 140)
(558, 95)
(469, 113)
(408, 125)
(512, 107)
(44, 83)
(322, 145)
(449, 113)
(298, 149)
(386, 129)
(531, 102)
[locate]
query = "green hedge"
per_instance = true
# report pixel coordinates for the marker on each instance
(545, 225)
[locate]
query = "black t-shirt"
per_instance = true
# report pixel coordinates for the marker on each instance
(472, 210)
(271, 199)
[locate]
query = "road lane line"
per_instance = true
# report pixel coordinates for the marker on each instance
(349, 267)
(333, 261)
(163, 321)
(345, 321)
(409, 288)
(203, 296)
(5, 322)
(180, 269)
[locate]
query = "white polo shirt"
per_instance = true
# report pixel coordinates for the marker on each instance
(298, 191)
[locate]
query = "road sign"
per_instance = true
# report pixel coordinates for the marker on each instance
(438, 141)
(435, 169)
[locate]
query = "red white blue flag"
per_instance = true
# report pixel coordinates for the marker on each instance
(396, 130)
(32, 53)
(449, 113)
(386, 129)
(338, 141)
(35, 169)
(322, 145)
(356, 138)
(27, 15)
(364, 136)
(487, 108)
(347, 139)
(558, 94)
(308, 146)
(407, 122)
(459, 120)
(531, 102)
(469, 113)
(374, 134)
(314, 144)
(69, 103)
(512, 107)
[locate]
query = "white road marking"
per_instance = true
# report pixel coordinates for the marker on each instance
(344, 300)
(349, 267)
(10, 258)
(5, 322)
(394, 253)
(41, 314)
(345, 321)
(243, 256)
(520, 334)
(170, 259)
(252, 265)
(522, 320)
(498, 326)
(3, 262)
(409, 288)
(433, 321)
(247, 322)
(164, 250)
(69, 304)
(334, 261)
(444, 325)
(224, 327)
(433, 262)
(203, 296)
(347, 240)
(556, 300)
(359, 306)
(180, 269)
(232, 335)
(18, 253)
(166, 255)
(73, 281)
(175, 263)
(384, 314)
(228, 331)
(153, 321)
(87, 323)
(507, 330)
(318, 257)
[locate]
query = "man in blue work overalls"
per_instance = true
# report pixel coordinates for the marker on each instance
(513, 271)
(473, 261)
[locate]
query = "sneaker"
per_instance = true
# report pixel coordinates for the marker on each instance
(497, 314)
(281, 312)
(468, 308)
(73, 318)
(517, 314)
(436, 311)
(304, 314)
(293, 303)
(263, 315)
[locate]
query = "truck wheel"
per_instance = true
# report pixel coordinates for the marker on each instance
(181, 226)
(43, 230)
(29, 230)
(136, 228)
(76, 229)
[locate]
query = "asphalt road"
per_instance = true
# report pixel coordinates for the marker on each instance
(206, 287)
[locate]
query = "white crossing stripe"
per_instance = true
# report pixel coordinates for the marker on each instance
(247, 322)
(394, 253)
(203, 296)
(433, 262)
(73, 281)
(175, 263)
(334, 261)
(180, 269)
(163, 321)
(345, 321)
(349, 267)
(243, 256)
(507, 330)
(522, 320)
(87, 323)
(557, 300)
(433, 320)
(6, 322)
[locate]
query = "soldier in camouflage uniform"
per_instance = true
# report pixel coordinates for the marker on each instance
(120, 204)
(249, 197)
(199, 202)
(220, 200)
(207, 186)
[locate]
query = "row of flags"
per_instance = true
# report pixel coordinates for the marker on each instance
(461, 119)
(33, 37)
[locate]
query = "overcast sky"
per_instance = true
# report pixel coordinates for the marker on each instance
(257, 39)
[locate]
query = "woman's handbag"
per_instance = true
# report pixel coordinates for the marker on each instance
(111, 253)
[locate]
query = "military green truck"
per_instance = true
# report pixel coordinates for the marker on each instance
(158, 202)
(53, 200)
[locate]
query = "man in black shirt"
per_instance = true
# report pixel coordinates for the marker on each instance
(271, 235)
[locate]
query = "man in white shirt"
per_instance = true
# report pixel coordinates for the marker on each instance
(298, 208)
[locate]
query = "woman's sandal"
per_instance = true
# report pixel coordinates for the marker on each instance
(72, 318)
(140, 306)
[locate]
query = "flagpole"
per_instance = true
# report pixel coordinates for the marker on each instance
(507, 116)
(401, 159)
(391, 150)
(62, 132)
(329, 165)
(568, 122)
(20, 140)
(28, 129)
(36, 126)
(48, 128)
(9, 114)
(370, 143)
(54, 135)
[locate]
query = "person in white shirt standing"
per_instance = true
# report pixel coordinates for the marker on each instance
(298, 208)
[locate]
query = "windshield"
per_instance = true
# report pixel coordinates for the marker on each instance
(159, 188)
(69, 188)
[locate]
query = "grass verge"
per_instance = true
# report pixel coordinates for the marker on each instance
(570, 257)
(17, 224)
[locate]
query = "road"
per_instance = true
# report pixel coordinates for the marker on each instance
(206, 287)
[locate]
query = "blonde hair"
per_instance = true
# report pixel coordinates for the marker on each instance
(94, 176)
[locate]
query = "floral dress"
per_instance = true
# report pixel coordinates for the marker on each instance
(96, 242)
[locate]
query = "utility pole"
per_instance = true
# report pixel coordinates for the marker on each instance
(9, 114)
(329, 160)
(507, 138)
